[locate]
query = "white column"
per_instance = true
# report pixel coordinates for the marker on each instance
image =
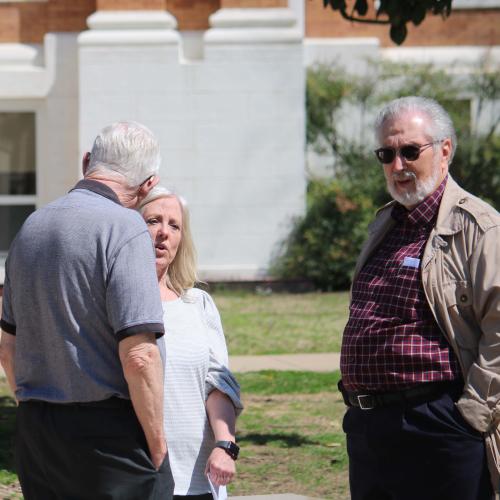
(250, 136)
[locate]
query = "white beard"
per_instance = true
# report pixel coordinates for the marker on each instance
(423, 188)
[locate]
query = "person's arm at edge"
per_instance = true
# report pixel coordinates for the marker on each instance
(143, 370)
(222, 417)
(7, 354)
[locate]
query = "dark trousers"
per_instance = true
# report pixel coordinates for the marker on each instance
(80, 452)
(424, 452)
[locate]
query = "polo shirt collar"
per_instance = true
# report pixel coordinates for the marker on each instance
(425, 212)
(98, 188)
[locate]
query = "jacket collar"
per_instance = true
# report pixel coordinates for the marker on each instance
(449, 220)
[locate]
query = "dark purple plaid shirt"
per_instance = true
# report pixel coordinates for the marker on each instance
(391, 340)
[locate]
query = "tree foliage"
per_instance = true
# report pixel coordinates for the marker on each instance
(396, 13)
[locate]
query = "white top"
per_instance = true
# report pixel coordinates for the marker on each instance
(195, 363)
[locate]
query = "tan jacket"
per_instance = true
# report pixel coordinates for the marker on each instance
(461, 278)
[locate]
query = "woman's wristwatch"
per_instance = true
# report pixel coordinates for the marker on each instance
(232, 449)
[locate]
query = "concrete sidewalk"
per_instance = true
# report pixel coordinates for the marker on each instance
(318, 362)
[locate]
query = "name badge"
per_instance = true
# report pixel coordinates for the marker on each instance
(411, 262)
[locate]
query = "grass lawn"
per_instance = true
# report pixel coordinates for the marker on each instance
(282, 323)
(290, 436)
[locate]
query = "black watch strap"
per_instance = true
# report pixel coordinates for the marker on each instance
(232, 449)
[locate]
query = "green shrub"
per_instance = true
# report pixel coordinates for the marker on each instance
(324, 244)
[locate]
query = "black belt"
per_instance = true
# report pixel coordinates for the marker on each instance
(421, 393)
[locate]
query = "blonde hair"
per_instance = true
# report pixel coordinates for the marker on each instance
(182, 273)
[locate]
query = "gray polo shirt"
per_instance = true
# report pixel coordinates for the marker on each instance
(80, 276)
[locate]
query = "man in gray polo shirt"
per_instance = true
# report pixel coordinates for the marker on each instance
(81, 314)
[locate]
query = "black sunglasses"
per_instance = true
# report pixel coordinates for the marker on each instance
(410, 152)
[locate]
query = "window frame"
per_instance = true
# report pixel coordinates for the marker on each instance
(23, 199)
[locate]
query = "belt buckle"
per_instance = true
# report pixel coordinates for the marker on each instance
(366, 401)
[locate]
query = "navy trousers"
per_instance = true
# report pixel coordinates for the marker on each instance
(72, 452)
(424, 452)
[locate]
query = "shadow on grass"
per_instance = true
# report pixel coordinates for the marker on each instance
(292, 440)
(7, 427)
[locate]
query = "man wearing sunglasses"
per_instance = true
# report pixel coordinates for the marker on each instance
(420, 356)
(81, 314)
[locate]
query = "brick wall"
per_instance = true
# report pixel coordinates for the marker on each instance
(254, 3)
(463, 27)
(28, 22)
(192, 14)
(130, 4)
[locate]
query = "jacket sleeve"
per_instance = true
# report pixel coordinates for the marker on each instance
(480, 402)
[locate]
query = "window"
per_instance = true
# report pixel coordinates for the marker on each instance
(17, 173)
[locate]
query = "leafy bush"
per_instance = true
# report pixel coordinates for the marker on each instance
(324, 244)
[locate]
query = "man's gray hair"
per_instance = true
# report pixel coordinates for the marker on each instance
(126, 148)
(439, 125)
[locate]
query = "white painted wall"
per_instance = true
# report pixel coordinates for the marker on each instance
(229, 117)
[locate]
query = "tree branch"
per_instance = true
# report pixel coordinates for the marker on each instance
(347, 16)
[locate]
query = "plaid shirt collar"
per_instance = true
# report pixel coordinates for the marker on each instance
(425, 212)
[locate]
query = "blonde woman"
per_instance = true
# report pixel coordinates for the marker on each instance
(201, 395)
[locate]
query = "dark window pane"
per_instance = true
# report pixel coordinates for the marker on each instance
(11, 220)
(17, 153)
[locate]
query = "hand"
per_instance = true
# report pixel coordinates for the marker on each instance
(158, 457)
(220, 467)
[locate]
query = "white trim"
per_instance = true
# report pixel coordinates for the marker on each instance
(17, 199)
(27, 70)
(343, 42)
(252, 36)
(130, 27)
(475, 4)
(299, 7)
(131, 20)
(253, 18)
(459, 59)
(253, 26)
(232, 272)
(128, 37)
(20, 55)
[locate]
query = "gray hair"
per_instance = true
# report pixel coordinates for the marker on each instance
(182, 273)
(439, 123)
(128, 149)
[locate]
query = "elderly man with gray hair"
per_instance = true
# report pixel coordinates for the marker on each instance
(81, 314)
(420, 357)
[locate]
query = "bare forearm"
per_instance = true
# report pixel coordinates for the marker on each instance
(7, 355)
(143, 371)
(222, 416)
(220, 466)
